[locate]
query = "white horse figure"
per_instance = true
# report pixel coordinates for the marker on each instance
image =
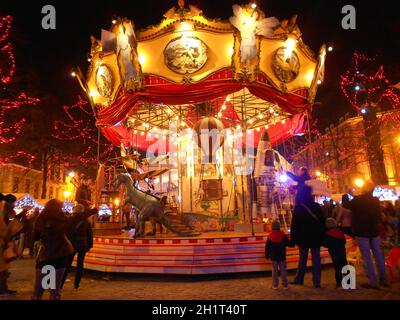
(246, 22)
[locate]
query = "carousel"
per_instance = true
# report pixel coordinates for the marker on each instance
(196, 106)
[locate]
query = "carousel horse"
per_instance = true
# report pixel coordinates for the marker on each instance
(150, 207)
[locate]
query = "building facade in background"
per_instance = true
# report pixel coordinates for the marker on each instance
(340, 156)
(20, 180)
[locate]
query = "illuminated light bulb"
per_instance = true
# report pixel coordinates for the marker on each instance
(357, 88)
(89, 60)
(289, 46)
(93, 93)
(141, 59)
(319, 82)
(283, 178)
(359, 183)
(363, 111)
(117, 201)
(223, 107)
(164, 138)
(228, 98)
(149, 134)
(185, 26)
(318, 173)
(238, 127)
(327, 153)
(114, 21)
(231, 51)
(260, 116)
(135, 131)
(271, 110)
(156, 136)
(258, 129)
(266, 126)
(71, 174)
(253, 5)
(219, 114)
(250, 121)
(310, 75)
(330, 48)
(73, 74)
(142, 133)
(283, 121)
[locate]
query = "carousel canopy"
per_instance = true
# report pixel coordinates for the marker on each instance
(252, 72)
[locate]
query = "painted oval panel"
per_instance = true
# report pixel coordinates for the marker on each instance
(185, 54)
(104, 81)
(286, 65)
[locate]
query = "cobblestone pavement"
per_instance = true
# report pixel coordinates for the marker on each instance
(253, 286)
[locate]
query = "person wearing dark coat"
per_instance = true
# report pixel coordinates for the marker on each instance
(366, 219)
(8, 209)
(335, 241)
(80, 234)
(307, 232)
(275, 249)
(55, 248)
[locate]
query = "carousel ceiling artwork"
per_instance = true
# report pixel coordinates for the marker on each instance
(253, 69)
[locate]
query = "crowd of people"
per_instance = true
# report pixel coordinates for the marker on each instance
(53, 237)
(373, 227)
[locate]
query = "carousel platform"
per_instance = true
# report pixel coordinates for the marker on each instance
(210, 253)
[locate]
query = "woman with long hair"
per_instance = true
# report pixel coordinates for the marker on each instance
(55, 249)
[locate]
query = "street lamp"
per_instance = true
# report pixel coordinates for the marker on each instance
(358, 182)
(67, 194)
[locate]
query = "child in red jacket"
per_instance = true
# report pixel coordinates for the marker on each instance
(335, 241)
(275, 249)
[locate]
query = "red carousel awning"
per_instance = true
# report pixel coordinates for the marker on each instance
(220, 84)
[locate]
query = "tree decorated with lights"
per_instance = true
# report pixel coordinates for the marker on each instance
(366, 86)
(79, 132)
(12, 101)
(368, 90)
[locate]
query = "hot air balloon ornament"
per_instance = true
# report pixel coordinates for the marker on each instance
(210, 137)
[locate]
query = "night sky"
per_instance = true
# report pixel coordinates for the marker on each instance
(45, 57)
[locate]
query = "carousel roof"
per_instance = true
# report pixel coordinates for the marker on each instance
(252, 71)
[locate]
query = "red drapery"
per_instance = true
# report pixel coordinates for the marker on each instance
(278, 133)
(217, 85)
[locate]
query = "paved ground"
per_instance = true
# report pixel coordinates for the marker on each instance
(99, 286)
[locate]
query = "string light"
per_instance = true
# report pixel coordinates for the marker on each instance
(365, 82)
(79, 126)
(10, 129)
